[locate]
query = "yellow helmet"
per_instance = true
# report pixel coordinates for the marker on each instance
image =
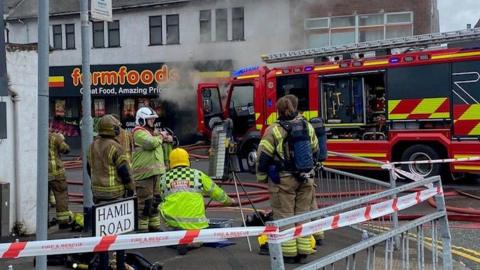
(179, 157)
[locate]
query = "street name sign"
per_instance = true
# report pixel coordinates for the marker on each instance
(117, 217)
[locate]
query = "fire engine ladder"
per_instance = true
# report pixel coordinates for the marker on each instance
(412, 41)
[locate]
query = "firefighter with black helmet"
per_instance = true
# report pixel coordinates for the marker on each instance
(286, 157)
(57, 182)
(108, 164)
(148, 165)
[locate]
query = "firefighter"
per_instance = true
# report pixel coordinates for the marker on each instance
(125, 139)
(291, 190)
(57, 181)
(182, 190)
(108, 164)
(148, 165)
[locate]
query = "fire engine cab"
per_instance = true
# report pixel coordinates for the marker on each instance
(420, 105)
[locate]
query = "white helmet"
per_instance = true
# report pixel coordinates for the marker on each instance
(143, 114)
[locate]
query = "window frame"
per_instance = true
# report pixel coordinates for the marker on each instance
(98, 31)
(151, 28)
(71, 34)
(111, 30)
(241, 21)
(169, 25)
(218, 22)
(203, 36)
(57, 34)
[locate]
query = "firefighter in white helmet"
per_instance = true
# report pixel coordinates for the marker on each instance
(148, 165)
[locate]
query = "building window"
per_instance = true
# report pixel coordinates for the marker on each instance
(155, 25)
(238, 28)
(330, 31)
(114, 34)
(205, 26)
(98, 35)
(57, 36)
(173, 29)
(221, 24)
(70, 36)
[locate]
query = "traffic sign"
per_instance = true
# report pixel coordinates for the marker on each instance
(117, 217)
(102, 10)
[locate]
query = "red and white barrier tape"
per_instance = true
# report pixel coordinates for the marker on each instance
(446, 160)
(128, 241)
(356, 216)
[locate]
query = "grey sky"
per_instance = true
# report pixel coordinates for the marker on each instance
(456, 14)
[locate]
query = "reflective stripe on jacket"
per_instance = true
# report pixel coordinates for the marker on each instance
(182, 190)
(56, 146)
(105, 156)
(148, 159)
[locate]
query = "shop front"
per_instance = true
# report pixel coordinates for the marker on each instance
(122, 89)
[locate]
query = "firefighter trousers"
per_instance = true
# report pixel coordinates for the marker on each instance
(288, 198)
(148, 194)
(59, 188)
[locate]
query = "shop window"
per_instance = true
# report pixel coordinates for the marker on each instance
(173, 29)
(57, 36)
(371, 20)
(395, 31)
(317, 23)
(155, 25)
(318, 38)
(99, 107)
(70, 36)
(114, 34)
(98, 35)
(296, 85)
(402, 17)
(342, 36)
(221, 25)
(370, 34)
(205, 26)
(347, 21)
(238, 27)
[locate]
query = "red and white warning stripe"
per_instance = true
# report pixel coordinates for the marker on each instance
(128, 241)
(356, 216)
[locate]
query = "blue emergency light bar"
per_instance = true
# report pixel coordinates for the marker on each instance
(244, 70)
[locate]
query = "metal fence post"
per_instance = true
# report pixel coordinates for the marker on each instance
(275, 250)
(444, 229)
(393, 184)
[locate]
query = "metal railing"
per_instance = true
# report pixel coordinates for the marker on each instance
(365, 253)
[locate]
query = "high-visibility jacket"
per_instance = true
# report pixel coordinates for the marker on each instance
(105, 156)
(148, 159)
(182, 190)
(56, 146)
(272, 145)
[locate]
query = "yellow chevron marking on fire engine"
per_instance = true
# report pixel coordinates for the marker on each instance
(454, 55)
(247, 77)
(214, 74)
(259, 127)
(392, 104)
(475, 130)
(326, 67)
(473, 113)
(350, 164)
(466, 167)
(257, 115)
(271, 118)
(440, 115)
(398, 116)
(428, 105)
(375, 63)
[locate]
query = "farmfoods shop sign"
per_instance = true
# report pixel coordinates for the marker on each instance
(113, 80)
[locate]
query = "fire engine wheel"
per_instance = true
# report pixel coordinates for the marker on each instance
(420, 152)
(250, 154)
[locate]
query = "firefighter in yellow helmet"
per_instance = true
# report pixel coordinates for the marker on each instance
(108, 164)
(182, 190)
(57, 181)
(291, 188)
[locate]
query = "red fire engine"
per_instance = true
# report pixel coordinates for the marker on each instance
(421, 105)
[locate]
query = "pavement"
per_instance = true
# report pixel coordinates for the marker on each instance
(237, 256)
